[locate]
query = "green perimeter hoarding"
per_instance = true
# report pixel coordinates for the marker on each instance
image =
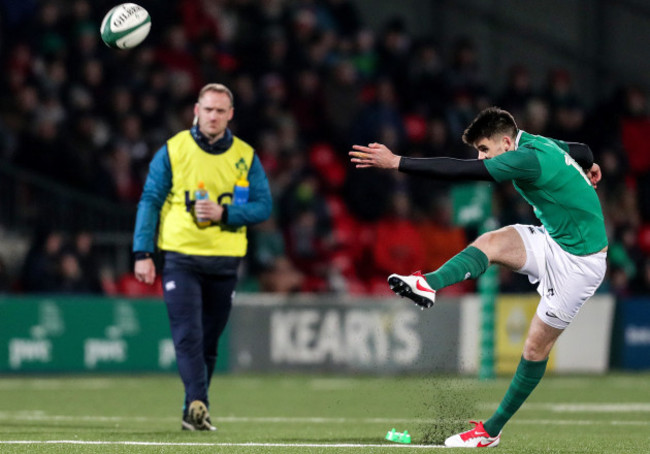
(86, 334)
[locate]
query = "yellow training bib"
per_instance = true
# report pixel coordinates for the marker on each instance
(190, 164)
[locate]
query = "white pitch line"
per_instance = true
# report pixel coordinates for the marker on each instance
(591, 407)
(258, 445)
(41, 416)
(597, 407)
(579, 422)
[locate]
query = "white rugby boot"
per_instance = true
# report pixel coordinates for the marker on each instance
(473, 438)
(415, 287)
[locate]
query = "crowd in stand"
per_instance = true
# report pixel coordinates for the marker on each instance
(309, 80)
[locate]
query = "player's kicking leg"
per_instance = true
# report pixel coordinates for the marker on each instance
(504, 247)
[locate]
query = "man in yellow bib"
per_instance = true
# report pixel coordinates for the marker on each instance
(203, 188)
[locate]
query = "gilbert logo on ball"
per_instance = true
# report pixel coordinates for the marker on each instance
(125, 26)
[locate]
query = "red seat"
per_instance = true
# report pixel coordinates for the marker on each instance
(643, 238)
(635, 134)
(128, 285)
(329, 167)
(416, 128)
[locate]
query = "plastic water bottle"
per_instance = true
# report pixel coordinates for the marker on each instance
(240, 193)
(201, 194)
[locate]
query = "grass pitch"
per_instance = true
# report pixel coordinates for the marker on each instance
(317, 414)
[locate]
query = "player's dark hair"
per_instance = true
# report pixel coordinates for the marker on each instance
(489, 122)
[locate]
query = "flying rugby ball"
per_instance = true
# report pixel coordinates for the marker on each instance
(125, 26)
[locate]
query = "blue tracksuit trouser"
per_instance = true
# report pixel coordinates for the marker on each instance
(198, 306)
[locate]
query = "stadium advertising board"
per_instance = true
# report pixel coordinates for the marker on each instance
(267, 333)
(360, 335)
(584, 347)
(635, 345)
(75, 334)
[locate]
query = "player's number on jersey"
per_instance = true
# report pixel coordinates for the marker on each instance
(571, 162)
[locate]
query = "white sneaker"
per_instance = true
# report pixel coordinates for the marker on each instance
(414, 287)
(473, 438)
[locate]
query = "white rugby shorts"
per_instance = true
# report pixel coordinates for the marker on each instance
(566, 281)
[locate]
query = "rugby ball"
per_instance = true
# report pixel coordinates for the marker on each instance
(125, 26)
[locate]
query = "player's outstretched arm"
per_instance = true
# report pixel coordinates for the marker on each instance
(374, 155)
(379, 156)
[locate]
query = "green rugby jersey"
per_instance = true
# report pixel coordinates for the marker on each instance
(562, 197)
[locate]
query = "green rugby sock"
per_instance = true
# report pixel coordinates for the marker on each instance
(469, 263)
(527, 376)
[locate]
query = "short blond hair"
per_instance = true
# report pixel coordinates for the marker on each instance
(219, 88)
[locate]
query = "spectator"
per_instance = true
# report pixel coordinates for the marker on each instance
(398, 243)
(536, 116)
(127, 186)
(428, 87)
(394, 51)
(518, 92)
(559, 90)
(307, 104)
(626, 260)
(70, 276)
(304, 217)
(266, 246)
(346, 16)
(41, 266)
(281, 277)
(464, 75)
(440, 238)
(5, 280)
(177, 58)
(379, 115)
(83, 249)
(364, 55)
(342, 101)
(246, 94)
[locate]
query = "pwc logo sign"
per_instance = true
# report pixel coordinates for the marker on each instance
(113, 348)
(37, 348)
